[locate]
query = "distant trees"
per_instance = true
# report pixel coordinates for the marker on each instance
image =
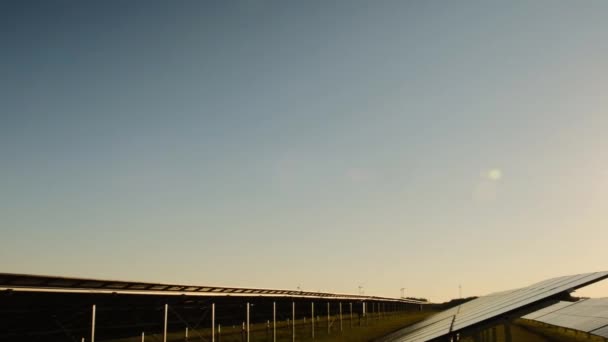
(455, 302)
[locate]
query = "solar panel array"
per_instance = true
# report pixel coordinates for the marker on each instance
(588, 315)
(548, 309)
(36, 283)
(490, 307)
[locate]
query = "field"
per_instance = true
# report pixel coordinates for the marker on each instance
(373, 327)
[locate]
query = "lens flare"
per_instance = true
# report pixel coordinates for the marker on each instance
(495, 174)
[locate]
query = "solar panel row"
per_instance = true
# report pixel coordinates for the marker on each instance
(37, 283)
(490, 307)
(548, 309)
(588, 315)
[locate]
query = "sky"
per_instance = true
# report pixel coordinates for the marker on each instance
(321, 144)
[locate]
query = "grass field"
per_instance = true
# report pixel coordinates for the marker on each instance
(360, 330)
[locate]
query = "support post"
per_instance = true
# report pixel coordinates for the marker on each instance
(340, 307)
(363, 311)
(212, 322)
(186, 335)
(165, 323)
(247, 321)
(507, 331)
(312, 318)
(328, 320)
(351, 315)
(143, 337)
(274, 321)
(93, 323)
(293, 321)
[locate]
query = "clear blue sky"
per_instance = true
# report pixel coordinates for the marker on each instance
(416, 144)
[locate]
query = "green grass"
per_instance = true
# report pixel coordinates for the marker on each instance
(365, 330)
(370, 329)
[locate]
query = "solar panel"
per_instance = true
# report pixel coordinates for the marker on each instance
(548, 309)
(601, 332)
(589, 315)
(39, 283)
(491, 307)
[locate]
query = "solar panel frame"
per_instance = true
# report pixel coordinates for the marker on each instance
(603, 331)
(494, 305)
(523, 298)
(586, 315)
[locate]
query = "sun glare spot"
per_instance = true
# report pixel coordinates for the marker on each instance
(495, 174)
